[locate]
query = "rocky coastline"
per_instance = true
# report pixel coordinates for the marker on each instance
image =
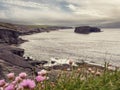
(11, 57)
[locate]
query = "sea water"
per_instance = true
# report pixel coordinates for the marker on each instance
(64, 44)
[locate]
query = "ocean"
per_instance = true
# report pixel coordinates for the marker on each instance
(65, 44)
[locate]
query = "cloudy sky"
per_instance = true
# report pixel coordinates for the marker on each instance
(61, 12)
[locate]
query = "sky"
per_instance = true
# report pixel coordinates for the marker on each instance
(61, 12)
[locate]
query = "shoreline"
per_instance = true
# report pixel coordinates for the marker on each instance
(12, 60)
(11, 57)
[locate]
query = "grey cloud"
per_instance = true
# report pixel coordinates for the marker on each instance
(60, 12)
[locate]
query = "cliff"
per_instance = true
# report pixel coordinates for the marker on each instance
(9, 36)
(30, 29)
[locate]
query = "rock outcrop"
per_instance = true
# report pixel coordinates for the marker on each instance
(34, 63)
(7, 67)
(86, 29)
(9, 36)
(13, 55)
(12, 60)
(12, 49)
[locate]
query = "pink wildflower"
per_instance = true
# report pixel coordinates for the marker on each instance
(2, 83)
(93, 72)
(19, 87)
(11, 76)
(42, 72)
(78, 69)
(28, 83)
(6, 84)
(40, 78)
(18, 79)
(23, 75)
(98, 73)
(14, 82)
(89, 69)
(10, 87)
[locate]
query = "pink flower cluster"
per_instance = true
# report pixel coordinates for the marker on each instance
(41, 76)
(28, 83)
(21, 81)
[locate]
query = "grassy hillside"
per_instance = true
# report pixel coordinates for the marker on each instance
(14, 26)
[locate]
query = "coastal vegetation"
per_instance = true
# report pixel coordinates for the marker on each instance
(85, 78)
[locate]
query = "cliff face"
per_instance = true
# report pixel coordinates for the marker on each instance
(86, 29)
(9, 36)
(11, 58)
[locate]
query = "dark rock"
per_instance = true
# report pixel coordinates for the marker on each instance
(6, 67)
(61, 67)
(86, 29)
(52, 62)
(19, 52)
(80, 63)
(14, 59)
(34, 63)
(1, 72)
(28, 59)
(9, 36)
(12, 49)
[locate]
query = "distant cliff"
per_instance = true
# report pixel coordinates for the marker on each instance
(30, 29)
(86, 29)
(9, 33)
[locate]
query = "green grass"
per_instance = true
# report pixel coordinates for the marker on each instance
(81, 78)
(38, 26)
(13, 26)
(108, 80)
